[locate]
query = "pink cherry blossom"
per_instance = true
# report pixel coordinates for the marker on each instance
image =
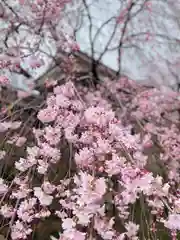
(2, 154)
(103, 159)
(132, 229)
(173, 221)
(98, 116)
(47, 115)
(7, 211)
(85, 157)
(4, 80)
(3, 187)
(68, 224)
(44, 198)
(20, 231)
(26, 210)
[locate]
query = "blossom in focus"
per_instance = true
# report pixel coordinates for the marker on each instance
(20, 231)
(132, 229)
(44, 198)
(7, 211)
(47, 115)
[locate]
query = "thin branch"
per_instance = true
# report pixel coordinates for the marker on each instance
(101, 27)
(90, 28)
(122, 37)
(108, 43)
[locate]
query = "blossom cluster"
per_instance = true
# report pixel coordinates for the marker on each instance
(111, 166)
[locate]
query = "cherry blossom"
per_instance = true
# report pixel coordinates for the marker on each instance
(108, 157)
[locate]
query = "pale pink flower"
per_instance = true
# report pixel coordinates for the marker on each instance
(22, 192)
(177, 205)
(85, 157)
(86, 137)
(98, 116)
(3, 187)
(24, 164)
(90, 189)
(132, 229)
(47, 115)
(17, 140)
(140, 159)
(147, 142)
(75, 47)
(77, 235)
(166, 188)
(53, 135)
(34, 62)
(68, 224)
(7, 211)
(4, 126)
(26, 210)
(114, 166)
(12, 140)
(129, 173)
(23, 94)
(43, 166)
(67, 90)
(50, 83)
(44, 213)
(33, 152)
(100, 186)
(122, 236)
(2, 154)
(44, 198)
(21, 2)
(52, 153)
(77, 105)
(51, 101)
(15, 125)
(57, 90)
(21, 180)
(61, 214)
(62, 101)
(4, 80)
(71, 120)
(173, 221)
(21, 141)
(129, 197)
(73, 235)
(144, 183)
(20, 231)
(156, 204)
(83, 216)
(69, 134)
(48, 187)
(104, 228)
(102, 146)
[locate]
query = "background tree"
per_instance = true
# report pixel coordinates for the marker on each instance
(139, 39)
(135, 38)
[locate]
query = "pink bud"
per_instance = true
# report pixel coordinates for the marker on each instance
(148, 144)
(101, 169)
(4, 110)
(4, 80)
